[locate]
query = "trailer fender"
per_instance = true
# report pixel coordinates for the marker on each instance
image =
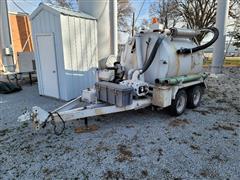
(176, 88)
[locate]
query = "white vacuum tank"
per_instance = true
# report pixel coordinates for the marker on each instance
(167, 63)
(105, 11)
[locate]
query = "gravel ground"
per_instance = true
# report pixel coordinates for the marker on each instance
(201, 144)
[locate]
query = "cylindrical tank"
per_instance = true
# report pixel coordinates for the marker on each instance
(105, 11)
(167, 63)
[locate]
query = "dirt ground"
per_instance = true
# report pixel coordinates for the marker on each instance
(203, 143)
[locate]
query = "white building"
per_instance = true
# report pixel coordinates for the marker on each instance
(66, 51)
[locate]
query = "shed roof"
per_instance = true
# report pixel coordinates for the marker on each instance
(18, 13)
(59, 10)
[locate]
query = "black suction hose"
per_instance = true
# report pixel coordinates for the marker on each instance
(152, 55)
(180, 51)
(204, 46)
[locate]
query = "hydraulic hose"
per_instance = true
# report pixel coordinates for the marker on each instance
(148, 63)
(204, 46)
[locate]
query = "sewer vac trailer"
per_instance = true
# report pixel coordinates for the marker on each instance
(159, 67)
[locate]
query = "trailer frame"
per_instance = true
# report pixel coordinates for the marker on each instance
(71, 110)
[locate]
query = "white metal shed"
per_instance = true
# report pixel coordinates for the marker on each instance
(66, 50)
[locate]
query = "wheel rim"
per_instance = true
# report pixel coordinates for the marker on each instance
(181, 104)
(196, 97)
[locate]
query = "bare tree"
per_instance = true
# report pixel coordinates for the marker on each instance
(63, 3)
(236, 30)
(125, 12)
(196, 14)
(199, 14)
(234, 11)
(166, 11)
(236, 37)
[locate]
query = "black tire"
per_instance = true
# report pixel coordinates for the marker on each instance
(194, 96)
(179, 103)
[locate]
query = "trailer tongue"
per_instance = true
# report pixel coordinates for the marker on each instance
(40, 117)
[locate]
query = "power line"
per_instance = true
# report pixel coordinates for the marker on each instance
(140, 10)
(18, 6)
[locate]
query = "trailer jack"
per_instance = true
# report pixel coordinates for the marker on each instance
(86, 127)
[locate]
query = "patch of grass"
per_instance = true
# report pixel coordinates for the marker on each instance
(144, 173)
(47, 171)
(124, 153)
(194, 147)
(24, 125)
(85, 175)
(229, 61)
(225, 127)
(68, 149)
(208, 173)
(160, 153)
(130, 126)
(3, 132)
(179, 122)
(114, 175)
(196, 134)
(203, 112)
(100, 147)
(27, 149)
(217, 158)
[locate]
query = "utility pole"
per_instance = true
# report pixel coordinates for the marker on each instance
(219, 47)
(5, 37)
(133, 24)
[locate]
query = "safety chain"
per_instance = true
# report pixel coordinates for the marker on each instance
(54, 123)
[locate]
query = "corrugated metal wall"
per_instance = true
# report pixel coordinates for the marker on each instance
(45, 23)
(76, 50)
(80, 52)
